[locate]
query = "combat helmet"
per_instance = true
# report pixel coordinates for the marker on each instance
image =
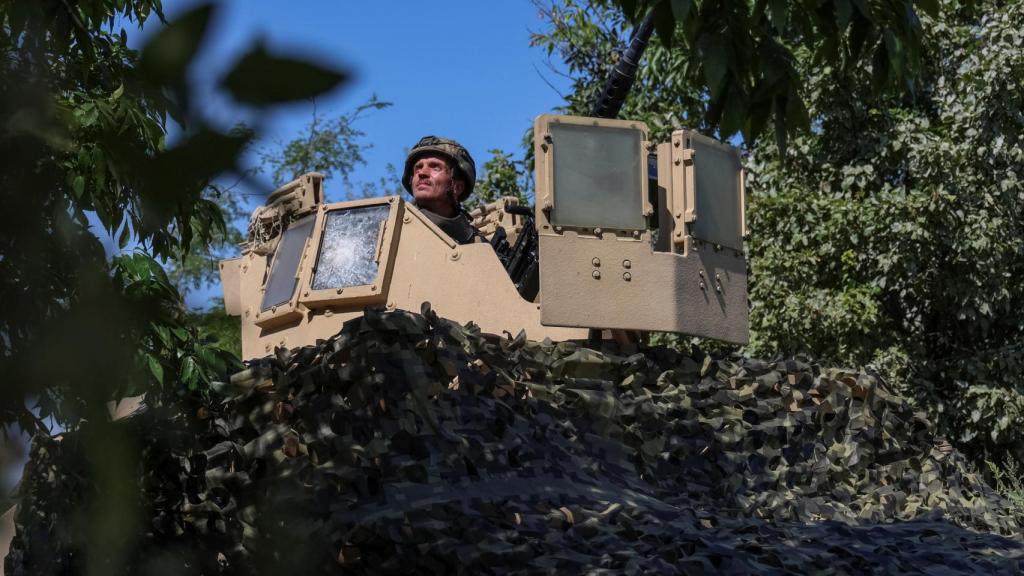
(463, 163)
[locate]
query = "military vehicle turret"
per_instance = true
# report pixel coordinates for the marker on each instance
(626, 234)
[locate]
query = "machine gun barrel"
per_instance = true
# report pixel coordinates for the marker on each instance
(621, 79)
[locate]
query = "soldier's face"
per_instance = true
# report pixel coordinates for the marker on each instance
(431, 181)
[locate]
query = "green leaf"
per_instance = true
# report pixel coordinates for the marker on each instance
(125, 236)
(780, 13)
(681, 9)
(262, 79)
(664, 23)
(188, 372)
(734, 114)
(844, 11)
(929, 7)
(715, 60)
(156, 368)
(166, 57)
(163, 334)
(629, 8)
(78, 185)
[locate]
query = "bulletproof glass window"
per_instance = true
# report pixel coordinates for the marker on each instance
(348, 248)
(717, 180)
(598, 177)
(282, 281)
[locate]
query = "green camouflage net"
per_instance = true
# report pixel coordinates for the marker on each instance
(408, 443)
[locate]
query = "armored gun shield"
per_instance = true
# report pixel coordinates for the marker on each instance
(630, 244)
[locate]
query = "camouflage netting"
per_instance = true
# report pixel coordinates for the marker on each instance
(408, 443)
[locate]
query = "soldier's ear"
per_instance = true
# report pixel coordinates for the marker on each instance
(459, 187)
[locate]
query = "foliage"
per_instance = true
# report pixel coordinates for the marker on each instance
(331, 147)
(82, 134)
(1008, 480)
(502, 176)
(217, 324)
(731, 64)
(588, 37)
(199, 267)
(893, 232)
(84, 120)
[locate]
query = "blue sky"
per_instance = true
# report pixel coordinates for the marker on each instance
(459, 69)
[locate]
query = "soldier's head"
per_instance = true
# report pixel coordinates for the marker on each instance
(439, 173)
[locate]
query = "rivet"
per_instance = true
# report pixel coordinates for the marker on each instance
(701, 272)
(702, 285)
(678, 161)
(718, 287)
(267, 348)
(626, 263)
(679, 214)
(596, 261)
(407, 218)
(597, 231)
(676, 143)
(305, 293)
(455, 254)
(636, 233)
(273, 309)
(596, 274)
(391, 306)
(340, 290)
(558, 228)
(627, 276)
(679, 233)
(373, 288)
(544, 147)
(718, 277)
(248, 311)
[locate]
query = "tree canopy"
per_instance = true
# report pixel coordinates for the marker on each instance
(886, 226)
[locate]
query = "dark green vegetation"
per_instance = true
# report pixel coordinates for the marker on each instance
(891, 232)
(408, 443)
(82, 131)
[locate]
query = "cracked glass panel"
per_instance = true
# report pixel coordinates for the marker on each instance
(348, 250)
(282, 281)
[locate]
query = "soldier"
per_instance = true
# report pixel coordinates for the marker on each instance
(440, 174)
